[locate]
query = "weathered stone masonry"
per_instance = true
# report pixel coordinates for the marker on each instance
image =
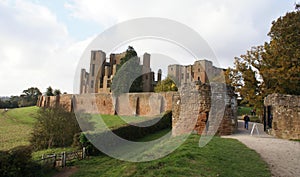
(144, 104)
(205, 108)
(283, 115)
(195, 108)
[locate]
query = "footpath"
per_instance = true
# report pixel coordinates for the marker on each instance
(282, 156)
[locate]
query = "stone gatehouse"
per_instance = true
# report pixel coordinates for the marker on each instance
(283, 115)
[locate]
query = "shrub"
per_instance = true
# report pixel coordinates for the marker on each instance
(18, 162)
(55, 127)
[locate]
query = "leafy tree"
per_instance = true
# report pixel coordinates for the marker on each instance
(13, 102)
(57, 92)
(166, 85)
(273, 67)
(55, 127)
(49, 91)
(129, 74)
(29, 96)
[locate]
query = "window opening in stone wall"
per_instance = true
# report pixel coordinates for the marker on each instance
(137, 106)
(93, 70)
(92, 84)
(94, 55)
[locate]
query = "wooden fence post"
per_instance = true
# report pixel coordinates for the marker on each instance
(54, 164)
(83, 153)
(63, 159)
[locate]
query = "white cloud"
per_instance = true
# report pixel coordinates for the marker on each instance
(230, 26)
(36, 49)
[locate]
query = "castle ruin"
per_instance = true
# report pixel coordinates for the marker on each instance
(102, 70)
(201, 105)
(202, 71)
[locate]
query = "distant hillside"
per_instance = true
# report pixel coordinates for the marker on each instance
(16, 126)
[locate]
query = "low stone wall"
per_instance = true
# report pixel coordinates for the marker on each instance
(283, 114)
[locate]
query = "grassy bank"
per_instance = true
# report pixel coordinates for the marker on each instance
(16, 126)
(221, 157)
(115, 121)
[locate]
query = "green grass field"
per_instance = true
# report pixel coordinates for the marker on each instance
(221, 157)
(16, 126)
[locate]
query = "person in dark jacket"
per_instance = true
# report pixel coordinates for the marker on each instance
(246, 119)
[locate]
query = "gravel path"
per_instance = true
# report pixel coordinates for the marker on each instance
(66, 172)
(282, 156)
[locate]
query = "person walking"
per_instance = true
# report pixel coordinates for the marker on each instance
(246, 119)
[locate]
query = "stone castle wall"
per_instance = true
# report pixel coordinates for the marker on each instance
(285, 115)
(144, 104)
(198, 108)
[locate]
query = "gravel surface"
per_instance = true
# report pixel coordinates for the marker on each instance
(282, 156)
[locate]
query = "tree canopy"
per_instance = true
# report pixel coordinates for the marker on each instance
(270, 68)
(165, 85)
(49, 91)
(28, 97)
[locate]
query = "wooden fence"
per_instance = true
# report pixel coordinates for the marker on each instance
(60, 160)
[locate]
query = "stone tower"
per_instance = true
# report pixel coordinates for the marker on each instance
(147, 75)
(84, 78)
(159, 75)
(96, 71)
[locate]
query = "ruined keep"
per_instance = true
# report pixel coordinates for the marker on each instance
(282, 113)
(201, 71)
(102, 70)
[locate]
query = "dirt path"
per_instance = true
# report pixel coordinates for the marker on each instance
(66, 172)
(282, 156)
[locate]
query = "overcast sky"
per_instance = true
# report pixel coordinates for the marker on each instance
(42, 41)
